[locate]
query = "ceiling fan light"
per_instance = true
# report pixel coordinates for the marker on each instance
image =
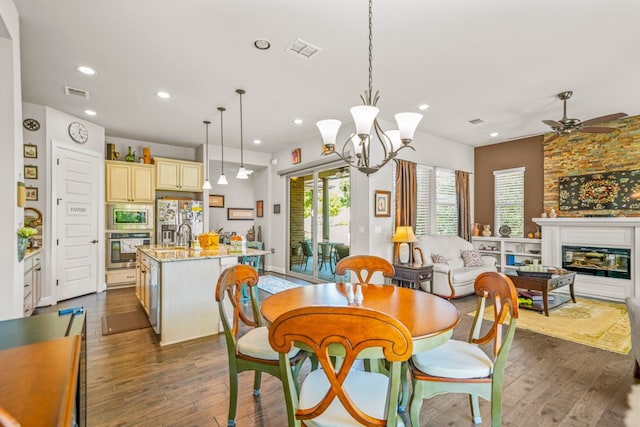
(407, 124)
(363, 117)
(329, 131)
(222, 180)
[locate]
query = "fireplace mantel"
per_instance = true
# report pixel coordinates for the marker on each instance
(617, 232)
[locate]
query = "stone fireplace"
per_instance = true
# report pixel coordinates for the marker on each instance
(605, 243)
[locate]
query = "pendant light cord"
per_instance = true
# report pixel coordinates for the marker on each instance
(221, 109)
(206, 148)
(241, 92)
(370, 49)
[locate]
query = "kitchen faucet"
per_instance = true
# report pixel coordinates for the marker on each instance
(180, 235)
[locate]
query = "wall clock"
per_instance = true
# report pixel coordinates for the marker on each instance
(78, 132)
(31, 124)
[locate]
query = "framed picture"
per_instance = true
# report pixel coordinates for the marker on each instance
(276, 208)
(259, 208)
(296, 156)
(31, 172)
(32, 193)
(30, 151)
(239, 213)
(382, 203)
(216, 201)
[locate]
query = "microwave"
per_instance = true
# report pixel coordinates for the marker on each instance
(129, 217)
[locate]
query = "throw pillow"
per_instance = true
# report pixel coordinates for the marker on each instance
(471, 258)
(438, 259)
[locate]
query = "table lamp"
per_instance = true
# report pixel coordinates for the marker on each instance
(404, 235)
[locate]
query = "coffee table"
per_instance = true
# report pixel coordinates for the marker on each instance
(544, 285)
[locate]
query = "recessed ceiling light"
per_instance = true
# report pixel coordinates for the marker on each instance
(86, 70)
(297, 121)
(423, 107)
(262, 44)
(163, 95)
(90, 112)
(257, 141)
(494, 134)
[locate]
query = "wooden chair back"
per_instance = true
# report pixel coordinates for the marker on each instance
(498, 289)
(229, 291)
(6, 419)
(353, 329)
(369, 264)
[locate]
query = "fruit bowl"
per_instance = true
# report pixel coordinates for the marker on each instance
(209, 240)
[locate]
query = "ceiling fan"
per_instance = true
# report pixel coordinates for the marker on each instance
(565, 125)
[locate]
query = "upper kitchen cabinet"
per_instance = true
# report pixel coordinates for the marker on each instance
(178, 175)
(129, 182)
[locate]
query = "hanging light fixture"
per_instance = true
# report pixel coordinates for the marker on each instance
(364, 117)
(223, 179)
(242, 172)
(207, 184)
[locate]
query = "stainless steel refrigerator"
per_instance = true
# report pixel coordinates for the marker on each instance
(172, 213)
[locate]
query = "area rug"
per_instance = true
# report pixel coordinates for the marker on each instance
(274, 284)
(600, 324)
(123, 322)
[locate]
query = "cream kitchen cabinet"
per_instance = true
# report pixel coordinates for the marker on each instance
(129, 182)
(32, 277)
(178, 175)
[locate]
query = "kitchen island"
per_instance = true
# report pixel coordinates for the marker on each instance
(176, 287)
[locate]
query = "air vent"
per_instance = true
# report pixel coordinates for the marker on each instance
(476, 121)
(76, 92)
(303, 49)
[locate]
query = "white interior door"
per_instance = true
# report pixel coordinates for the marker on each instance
(76, 240)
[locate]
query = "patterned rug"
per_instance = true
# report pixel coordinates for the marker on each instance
(274, 284)
(600, 324)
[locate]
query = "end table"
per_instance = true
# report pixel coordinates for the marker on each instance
(413, 274)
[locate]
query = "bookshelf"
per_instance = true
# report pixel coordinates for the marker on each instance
(509, 251)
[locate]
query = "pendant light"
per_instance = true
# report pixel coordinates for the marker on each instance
(207, 184)
(242, 172)
(223, 179)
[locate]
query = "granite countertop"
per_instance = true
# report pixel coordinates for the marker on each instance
(32, 251)
(163, 253)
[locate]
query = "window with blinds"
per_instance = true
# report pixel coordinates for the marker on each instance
(509, 200)
(446, 202)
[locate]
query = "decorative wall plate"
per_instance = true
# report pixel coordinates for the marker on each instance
(31, 124)
(505, 231)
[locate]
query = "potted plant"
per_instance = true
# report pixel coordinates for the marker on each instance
(23, 237)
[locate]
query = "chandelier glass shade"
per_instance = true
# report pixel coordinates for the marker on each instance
(207, 184)
(356, 150)
(223, 179)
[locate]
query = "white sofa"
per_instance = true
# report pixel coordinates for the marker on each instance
(452, 279)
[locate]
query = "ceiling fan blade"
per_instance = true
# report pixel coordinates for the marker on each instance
(597, 129)
(603, 119)
(551, 138)
(553, 124)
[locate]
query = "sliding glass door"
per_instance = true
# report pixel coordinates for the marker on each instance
(319, 216)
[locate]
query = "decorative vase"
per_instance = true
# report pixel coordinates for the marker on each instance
(476, 229)
(22, 247)
(130, 156)
(486, 230)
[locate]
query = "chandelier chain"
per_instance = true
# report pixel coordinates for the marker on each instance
(370, 49)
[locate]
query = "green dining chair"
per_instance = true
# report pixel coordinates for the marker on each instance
(462, 366)
(337, 395)
(247, 339)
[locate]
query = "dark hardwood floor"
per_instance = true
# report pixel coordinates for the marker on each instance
(134, 382)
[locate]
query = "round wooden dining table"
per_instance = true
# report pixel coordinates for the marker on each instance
(429, 318)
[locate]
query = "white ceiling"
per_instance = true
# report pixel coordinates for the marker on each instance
(499, 60)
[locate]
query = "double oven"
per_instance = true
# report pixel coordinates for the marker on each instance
(128, 226)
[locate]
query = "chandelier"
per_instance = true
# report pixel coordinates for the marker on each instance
(364, 117)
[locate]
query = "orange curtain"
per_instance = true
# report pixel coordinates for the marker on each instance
(406, 198)
(464, 210)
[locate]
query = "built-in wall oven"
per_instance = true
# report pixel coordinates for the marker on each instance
(121, 247)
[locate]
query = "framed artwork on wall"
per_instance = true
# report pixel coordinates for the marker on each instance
(382, 202)
(30, 151)
(32, 193)
(296, 156)
(259, 209)
(31, 172)
(239, 213)
(216, 201)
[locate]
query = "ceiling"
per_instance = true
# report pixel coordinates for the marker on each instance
(501, 61)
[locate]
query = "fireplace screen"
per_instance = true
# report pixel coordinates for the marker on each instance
(607, 262)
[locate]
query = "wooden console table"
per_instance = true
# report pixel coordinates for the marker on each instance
(413, 274)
